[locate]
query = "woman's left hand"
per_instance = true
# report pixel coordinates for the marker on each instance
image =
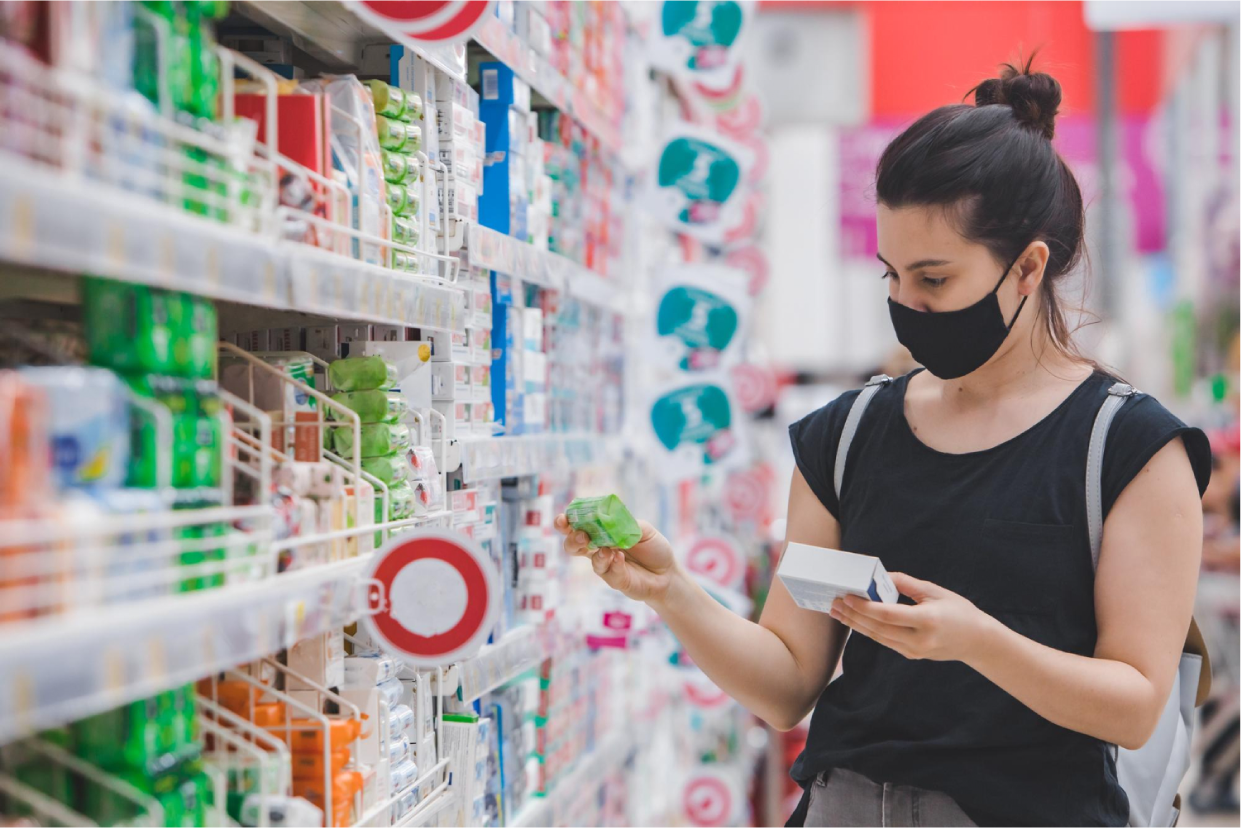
(942, 626)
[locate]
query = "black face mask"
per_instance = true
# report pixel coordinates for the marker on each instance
(952, 344)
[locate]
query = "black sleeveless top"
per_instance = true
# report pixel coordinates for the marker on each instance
(1006, 528)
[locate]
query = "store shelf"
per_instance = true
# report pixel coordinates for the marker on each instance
(495, 251)
(534, 69)
(492, 458)
(519, 650)
(607, 756)
(53, 670)
(55, 222)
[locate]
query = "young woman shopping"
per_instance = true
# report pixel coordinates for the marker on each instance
(993, 692)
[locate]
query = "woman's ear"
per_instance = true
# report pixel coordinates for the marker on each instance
(1031, 267)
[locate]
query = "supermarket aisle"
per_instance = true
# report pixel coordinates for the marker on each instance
(314, 315)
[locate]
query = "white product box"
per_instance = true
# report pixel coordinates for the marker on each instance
(449, 381)
(320, 658)
(455, 119)
(447, 347)
(389, 333)
(534, 371)
(815, 576)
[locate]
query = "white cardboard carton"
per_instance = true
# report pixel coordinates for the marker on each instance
(815, 576)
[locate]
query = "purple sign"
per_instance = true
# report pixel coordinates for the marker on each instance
(1141, 178)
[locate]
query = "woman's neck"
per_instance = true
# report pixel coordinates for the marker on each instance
(1027, 362)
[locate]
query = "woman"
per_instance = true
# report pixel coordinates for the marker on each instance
(992, 693)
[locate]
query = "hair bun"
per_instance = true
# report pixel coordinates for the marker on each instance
(1033, 96)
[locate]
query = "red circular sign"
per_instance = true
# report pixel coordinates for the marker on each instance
(429, 20)
(754, 386)
(707, 801)
(432, 593)
(715, 559)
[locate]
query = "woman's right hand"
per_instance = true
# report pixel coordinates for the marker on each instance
(644, 572)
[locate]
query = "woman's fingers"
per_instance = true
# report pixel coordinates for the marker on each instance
(899, 615)
(872, 628)
(577, 543)
(562, 524)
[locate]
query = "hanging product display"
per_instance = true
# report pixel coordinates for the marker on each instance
(700, 316)
(695, 186)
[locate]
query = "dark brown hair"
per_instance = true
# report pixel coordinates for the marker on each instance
(993, 167)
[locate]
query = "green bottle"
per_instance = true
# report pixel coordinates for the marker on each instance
(376, 406)
(395, 166)
(378, 439)
(606, 520)
(389, 100)
(362, 373)
(391, 468)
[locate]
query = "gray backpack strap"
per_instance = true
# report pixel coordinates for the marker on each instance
(1117, 395)
(851, 425)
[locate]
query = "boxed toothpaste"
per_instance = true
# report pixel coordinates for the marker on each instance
(815, 576)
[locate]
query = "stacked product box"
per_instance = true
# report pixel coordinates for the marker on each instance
(461, 151)
(504, 107)
(151, 745)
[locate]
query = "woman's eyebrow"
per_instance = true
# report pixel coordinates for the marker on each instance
(921, 263)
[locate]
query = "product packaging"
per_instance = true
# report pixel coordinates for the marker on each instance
(606, 520)
(815, 576)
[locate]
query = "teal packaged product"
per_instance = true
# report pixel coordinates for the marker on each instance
(128, 327)
(88, 424)
(378, 439)
(362, 373)
(375, 406)
(606, 520)
(390, 469)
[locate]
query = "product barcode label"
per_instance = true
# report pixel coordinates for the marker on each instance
(491, 84)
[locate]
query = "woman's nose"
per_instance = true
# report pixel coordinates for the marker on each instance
(908, 296)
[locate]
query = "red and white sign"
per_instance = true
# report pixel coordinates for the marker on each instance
(432, 21)
(746, 494)
(753, 261)
(701, 692)
(435, 597)
(708, 800)
(716, 560)
(755, 387)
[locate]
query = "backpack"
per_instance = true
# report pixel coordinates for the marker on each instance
(1151, 774)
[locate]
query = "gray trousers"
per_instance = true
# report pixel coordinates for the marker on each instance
(841, 797)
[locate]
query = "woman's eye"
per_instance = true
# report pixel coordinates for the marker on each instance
(930, 281)
(890, 274)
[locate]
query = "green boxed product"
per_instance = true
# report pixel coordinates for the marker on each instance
(378, 439)
(199, 553)
(606, 520)
(376, 406)
(396, 166)
(404, 232)
(197, 450)
(362, 373)
(195, 331)
(128, 327)
(390, 469)
(389, 100)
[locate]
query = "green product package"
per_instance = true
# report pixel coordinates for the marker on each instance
(375, 406)
(395, 166)
(401, 502)
(606, 520)
(378, 439)
(390, 469)
(198, 551)
(195, 328)
(389, 100)
(197, 450)
(128, 328)
(392, 133)
(362, 373)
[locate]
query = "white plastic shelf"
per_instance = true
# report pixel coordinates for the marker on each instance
(493, 458)
(607, 756)
(534, 69)
(50, 221)
(519, 650)
(56, 670)
(496, 251)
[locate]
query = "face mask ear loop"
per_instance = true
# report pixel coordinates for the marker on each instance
(1018, 313)
(1023, 299)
